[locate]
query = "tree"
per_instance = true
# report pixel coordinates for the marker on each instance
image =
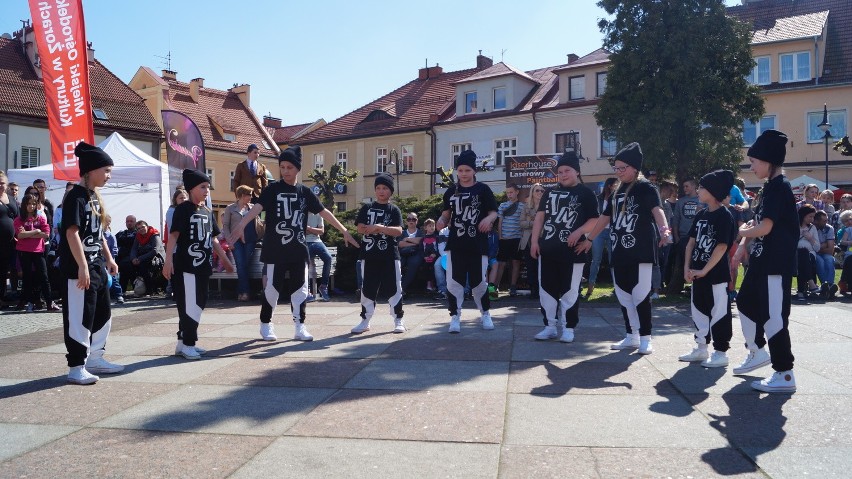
(327, 181)
(677, 83)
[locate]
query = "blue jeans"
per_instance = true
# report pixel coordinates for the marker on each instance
(825, 268)
(600, 244)
(317, 248)
(410, 265)
(440, 276)
(242, 255)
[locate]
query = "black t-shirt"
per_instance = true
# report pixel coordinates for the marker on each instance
(774, 253)
(565, 209)
(197, 228)
(379, 246)
(287, 208)
(468, 206)
(8, 213)
(633, 232)
(80, 208)
(712, 228)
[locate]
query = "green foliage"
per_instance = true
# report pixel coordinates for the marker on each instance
(677, 83)
(327, 180)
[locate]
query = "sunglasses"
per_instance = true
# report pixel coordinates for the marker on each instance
(412, 219)
(619, 169)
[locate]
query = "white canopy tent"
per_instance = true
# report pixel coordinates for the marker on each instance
(139, 185)
(799, 184)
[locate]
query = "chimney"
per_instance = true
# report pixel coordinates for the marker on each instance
(194, 86)
(243, 92)
(271, 122)
(572, 57)
(483, 62)
(429, 72)
(90, 52)
(27, 37)
(169, 75)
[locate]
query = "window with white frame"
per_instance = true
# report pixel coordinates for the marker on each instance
(230, 137)
(231, 180)
(601, 84)
(407, 158)
(470, 102)
(319, 161)
(564, 140)
(795, 66)
(609, 146)
(500, 98)
(838, 120)
(342, 158)
(752, 130)
(29, 156)
(577, 88)
(458, 148)
(760, 74)
(381, 160)
(504, 148)
(210, 175)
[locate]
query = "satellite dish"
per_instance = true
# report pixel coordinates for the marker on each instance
(6, 36)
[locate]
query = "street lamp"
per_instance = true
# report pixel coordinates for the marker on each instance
(825, 126)
(394, 160)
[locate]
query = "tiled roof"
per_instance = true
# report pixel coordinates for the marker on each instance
(22, 94)
(808, 25)
(498, 70)
(408, 108)
(595, 58)
(838, 51)
(284, 134)
(223, 108)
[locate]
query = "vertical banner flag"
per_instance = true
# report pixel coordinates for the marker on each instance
(184, 146)
(60, 35)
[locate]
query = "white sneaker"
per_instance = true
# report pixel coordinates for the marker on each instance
(719, 359)
(267, 332)
(756, 359)
(179, 345)
(364, 325)
(189, 352)
(398, 326)
(96, 363)
(630, 341)
(645, 346)
(567, 335)
(79, 375)
(302, 333)
(549, 332)
(455, 324)
(487, 324)
(779, 382)
(697, 354)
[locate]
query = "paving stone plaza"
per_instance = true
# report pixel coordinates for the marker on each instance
(420, 404)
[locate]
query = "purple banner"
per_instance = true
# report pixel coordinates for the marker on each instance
(184, 146)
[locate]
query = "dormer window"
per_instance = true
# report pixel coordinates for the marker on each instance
(470, 102)
(500, 98)
(100, 114)
(229, 137)
(577, 88)
(377, 115)
(795, 66)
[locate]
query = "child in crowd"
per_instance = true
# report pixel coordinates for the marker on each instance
(381, 269)
(189, 260)
(706, 266)
(508, 232)
(764, 298)
(430, 249)
(469, 209)
(285, 252)
(31, 230)
(86, 262)
(568, 207)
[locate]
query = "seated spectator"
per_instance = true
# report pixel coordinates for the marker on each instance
(124, 240)
(845, 241)
(410, 251)
(827, 198)
(807, 249)
(115, 290)
(146, 255)
(811, 197)
(825, 255)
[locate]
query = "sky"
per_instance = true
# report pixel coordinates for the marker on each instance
(322, 59)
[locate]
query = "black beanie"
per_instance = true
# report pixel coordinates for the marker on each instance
(293, 155)
(770, 146)
(91, 157)
(384, 179)
(718, 183)
(632, 155)
(193, 178)
(568, 159)
(467, 158)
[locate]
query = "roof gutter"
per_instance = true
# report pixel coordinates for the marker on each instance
(816, 61)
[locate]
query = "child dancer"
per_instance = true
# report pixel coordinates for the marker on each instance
(470, 209)
(706, 267)
(381, 269)
(634, 209)
(764, 298)
(565, 208)
(285, 252)
(86, 262)
(189, 260)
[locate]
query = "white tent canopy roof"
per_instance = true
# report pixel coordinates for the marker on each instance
(799, 184)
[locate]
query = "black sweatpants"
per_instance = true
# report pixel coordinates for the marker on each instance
(381, 278)
(711, 313)
(764, 306)
(559, 285)
(86, 315)
(285, 278)
(34, 270)
(464, 267)
(190, 292)
(633, 289)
